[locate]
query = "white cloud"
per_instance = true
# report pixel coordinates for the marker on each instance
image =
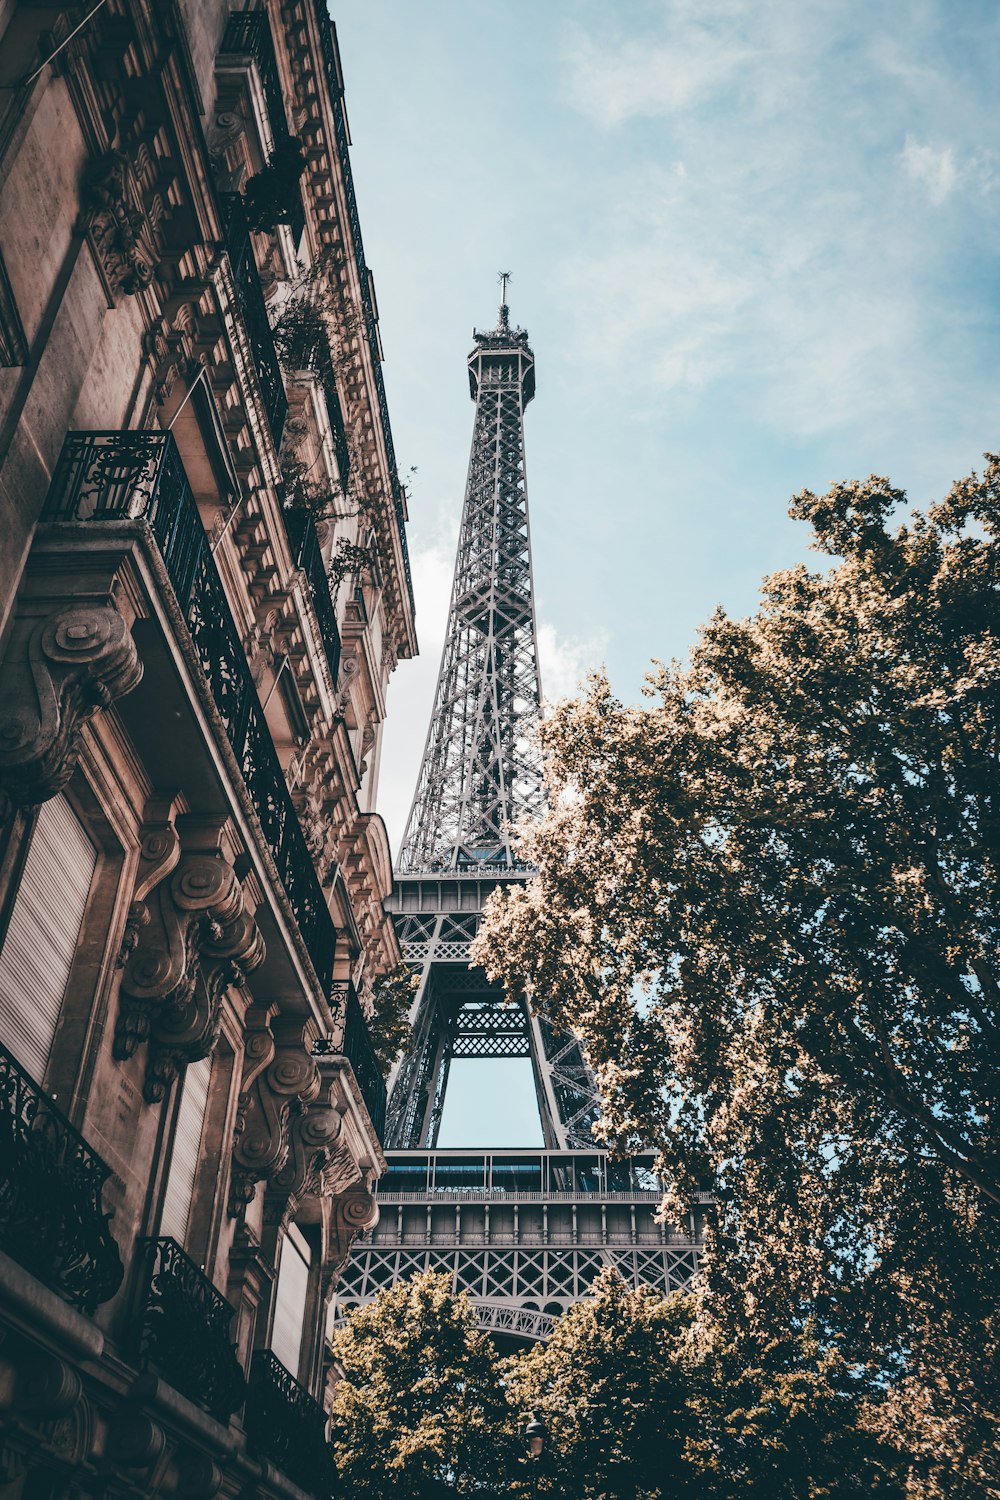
(564, 661)
(933, 167)
(612, 84)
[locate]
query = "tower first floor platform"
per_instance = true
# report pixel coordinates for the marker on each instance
(523, 1232)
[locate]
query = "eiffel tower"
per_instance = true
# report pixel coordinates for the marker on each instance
(523, 1231)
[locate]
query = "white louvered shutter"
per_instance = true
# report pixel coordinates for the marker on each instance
(44, 933)
(290, 1302)
(186, 1152)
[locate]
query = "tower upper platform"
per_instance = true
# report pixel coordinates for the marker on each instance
(502, 356)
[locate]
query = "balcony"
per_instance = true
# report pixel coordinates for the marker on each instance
(357, 1048)
(253, 312)
(51, 1216)
(248, 34)
(285, 1425)
(184, 1334)
(305, 550)
(106, 477)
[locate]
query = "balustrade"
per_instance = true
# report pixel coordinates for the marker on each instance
(185, 1331)
(115, 476)
(285, 1425)
(356, 1046)
(51, 1216)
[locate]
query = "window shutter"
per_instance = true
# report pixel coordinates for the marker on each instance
(186, 1152)
(290, 1301)
(44, 933)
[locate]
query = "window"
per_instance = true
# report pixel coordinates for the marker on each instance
(290, 1300)
(186, 1153)
(44, 933)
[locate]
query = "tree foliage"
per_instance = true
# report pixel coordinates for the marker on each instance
(611, 1385)
(389, 1023)
(768, 901)
(421, 1409)
(639, 1399)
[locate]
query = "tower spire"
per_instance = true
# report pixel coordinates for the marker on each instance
(504, 277)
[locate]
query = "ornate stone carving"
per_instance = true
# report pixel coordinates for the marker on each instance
(354, 1212)
(116, 224)
(279, 1078)
(189, 936)
(58, 672)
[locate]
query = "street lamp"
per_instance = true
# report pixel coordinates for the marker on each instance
(535, 1435)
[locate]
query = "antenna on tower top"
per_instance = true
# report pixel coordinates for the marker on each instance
(504, 277)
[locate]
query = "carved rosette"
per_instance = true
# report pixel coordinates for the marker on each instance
(58, 672)
(189, 936)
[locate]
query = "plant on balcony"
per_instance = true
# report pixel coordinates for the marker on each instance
(300, 333)
(323, 501)
(350, 558)
(273, 196)
(389, 1023)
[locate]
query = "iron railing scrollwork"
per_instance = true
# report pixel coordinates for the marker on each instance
(367, 303)
(306, 551)
(357, 1047)
(185, 1331)
(52, 1220)
(286, 1425)
(248, 34)
(108, 476)
(253, 310)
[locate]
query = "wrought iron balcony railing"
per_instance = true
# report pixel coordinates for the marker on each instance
(254, 314)
(286, 1425)
(116, 476)
(305, 550)
(185, 1331)
(357, 244)
(52, 1220)
(357, 1048)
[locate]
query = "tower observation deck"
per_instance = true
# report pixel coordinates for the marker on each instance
(523, 1232)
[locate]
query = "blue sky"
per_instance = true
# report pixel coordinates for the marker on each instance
(755, 245)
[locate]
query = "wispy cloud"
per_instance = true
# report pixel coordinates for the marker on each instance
(791, 256)
(931, 166)
(618, 83)
(564, 661)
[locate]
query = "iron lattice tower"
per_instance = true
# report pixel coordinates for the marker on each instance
(524, 1233)
(480, 770)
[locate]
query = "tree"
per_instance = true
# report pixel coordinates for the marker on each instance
(769, 904)
(421, 1412)
(611, 1385)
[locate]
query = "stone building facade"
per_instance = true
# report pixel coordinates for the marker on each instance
(204, 590)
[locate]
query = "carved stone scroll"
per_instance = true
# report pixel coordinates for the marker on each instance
(280, 1079)
(189, 937)
(59, 670)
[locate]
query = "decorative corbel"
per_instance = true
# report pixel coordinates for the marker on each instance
(280, 1079)
(189, 936)
(116, 225)
(58, 671)
(352, 1213)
